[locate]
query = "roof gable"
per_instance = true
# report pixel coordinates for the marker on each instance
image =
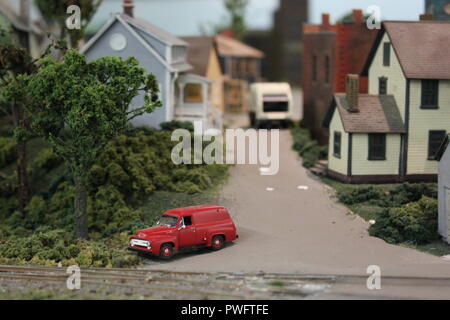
(233, 48)
(199, 53)
(422, 48)
(377, 114)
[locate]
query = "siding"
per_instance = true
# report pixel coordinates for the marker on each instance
(135, 49)
(335, 164)
(421, 122)
(443, 183)
(215, 73)
(394, 73)
(360, 154)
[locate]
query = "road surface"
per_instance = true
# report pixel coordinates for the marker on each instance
(299, 228)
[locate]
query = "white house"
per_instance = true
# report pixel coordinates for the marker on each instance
(443, 156)
(185, 96)
(392, 134)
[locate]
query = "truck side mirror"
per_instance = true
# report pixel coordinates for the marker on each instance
(181, 227)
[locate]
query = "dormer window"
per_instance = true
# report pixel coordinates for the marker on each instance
(430, 94)
(178, 54)
(387, 54)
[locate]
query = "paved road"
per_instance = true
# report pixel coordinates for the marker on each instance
(292, 230)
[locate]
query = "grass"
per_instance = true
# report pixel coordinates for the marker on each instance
(277, 283)
(369, 211)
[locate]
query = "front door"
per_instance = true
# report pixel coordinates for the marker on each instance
(187, 236)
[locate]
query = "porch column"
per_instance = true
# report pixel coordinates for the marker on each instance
(181, 98)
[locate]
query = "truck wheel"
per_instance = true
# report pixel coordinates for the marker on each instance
(217, 243)
(166, 251)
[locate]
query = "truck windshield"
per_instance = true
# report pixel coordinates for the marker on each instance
(275, 103)
(168, 221)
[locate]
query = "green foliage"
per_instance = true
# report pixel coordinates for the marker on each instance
(8, 151)
(236, 10)
(308, 149)
(414, 223)
(360, 194)
(50, 247)
(46, 160)
(174, 124)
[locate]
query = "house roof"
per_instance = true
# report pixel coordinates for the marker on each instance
(199, 51)
(230, 47)
(422, 48)
(130, 24)
(377, 114)
(442, 148)
(153, 30)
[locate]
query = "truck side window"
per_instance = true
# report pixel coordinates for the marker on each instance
(187, 221)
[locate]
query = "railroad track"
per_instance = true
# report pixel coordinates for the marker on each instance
(162, 283)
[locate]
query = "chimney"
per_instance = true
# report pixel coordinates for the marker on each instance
(352, 91)
(358, 16)
(426, 17)
(128, 6)
(25, 12)
(325, 22)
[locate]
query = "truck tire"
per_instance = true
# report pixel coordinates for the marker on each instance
(217, 243)
(166, 251)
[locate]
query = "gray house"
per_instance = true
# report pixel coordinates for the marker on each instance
(443, 156)
(185, 97)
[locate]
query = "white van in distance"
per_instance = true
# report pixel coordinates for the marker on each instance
(271, 104)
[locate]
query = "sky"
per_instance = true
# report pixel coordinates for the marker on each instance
(194, 17)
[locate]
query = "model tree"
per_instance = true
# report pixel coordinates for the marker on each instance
(236, 10)
(78, 107)
(55, 14)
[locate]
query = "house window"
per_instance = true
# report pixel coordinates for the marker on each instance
(387, 54)
(314, 68)
(337, 145)
(435, 139)
(382, 85)
(430, 94)
(193, 93)
(327, 69)
(377, 146)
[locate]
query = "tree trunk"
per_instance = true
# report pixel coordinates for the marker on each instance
(22, 174)
(81, 228)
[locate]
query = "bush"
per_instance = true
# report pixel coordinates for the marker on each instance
(357, 194)
(415, 223)
(8, 151)
(308, 149)
(46, 247)
(405, 193)
(174, 124)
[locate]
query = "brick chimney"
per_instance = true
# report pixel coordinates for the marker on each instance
(358, 16)
(352, 92)
(325, 22)
(128, 6)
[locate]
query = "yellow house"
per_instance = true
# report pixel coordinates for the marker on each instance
(392, 134)
(202, 55)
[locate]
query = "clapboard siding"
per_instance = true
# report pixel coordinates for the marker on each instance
(362, 166)
(334, 163)
(394, 74)
(444, 183)
(421, 122)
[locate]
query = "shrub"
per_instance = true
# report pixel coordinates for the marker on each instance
(8, 151)
(357, 194)
(308, 149)
(405, 193)
(415, 223)
(174, 124)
